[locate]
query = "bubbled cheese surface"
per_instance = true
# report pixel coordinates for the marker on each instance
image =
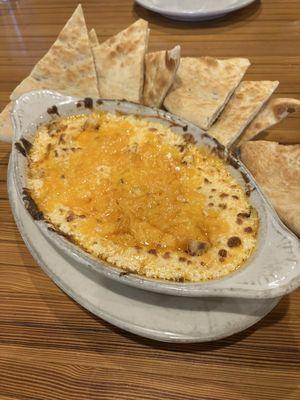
(134, 193)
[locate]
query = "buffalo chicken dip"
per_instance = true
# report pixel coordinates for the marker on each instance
(134, 193)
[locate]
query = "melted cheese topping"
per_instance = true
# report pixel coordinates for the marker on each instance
(133, 192)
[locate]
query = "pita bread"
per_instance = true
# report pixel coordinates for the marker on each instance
(274, 112)
(6, 129)
(203, 86)
(68, 66)
(246, 102)
(93, 38)
(120, 63)
(276, 169)
(160, 70)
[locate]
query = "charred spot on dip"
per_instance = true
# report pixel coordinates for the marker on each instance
(222, 253)
(53, 110)
(152, 251)
(248, 191)
(196, 248)
(88, 103)
(26, 144)
(189, 138)
(234, 241)
(182, 259)
(70, 217)
(20, 149)
(181, 147)
(248, 229)
(115, 185)
(244, 215)
(31, 206)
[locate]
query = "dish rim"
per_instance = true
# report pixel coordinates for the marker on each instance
(222, 287)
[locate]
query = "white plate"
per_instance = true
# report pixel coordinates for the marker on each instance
(156, 316)
(194, 10)
(273, 269)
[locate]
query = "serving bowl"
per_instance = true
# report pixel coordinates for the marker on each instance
(273, 269)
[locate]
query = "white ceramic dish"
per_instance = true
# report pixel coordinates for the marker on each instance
(152, 315)
(272, 271)
(194, 10)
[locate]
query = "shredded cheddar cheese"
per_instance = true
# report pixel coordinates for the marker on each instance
(136, 194)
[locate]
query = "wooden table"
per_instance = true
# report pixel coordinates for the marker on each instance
(51, 348)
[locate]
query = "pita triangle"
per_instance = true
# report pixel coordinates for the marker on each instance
(203, 86)
(93, 38)
(160, 70)
(274, 112)
(68, 66)
(276, 169)
(244, 105)
(120, 63)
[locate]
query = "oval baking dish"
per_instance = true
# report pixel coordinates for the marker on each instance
(272, 270)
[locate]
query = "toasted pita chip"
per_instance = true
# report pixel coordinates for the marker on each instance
(160, 70)
(68, 66)
(93, 38)
(274, 112)
(6, 129)
(245, 103)
(120, 63)
(276, 169)
(203, 86)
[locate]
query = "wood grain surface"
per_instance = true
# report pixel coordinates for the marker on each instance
(51, 348)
